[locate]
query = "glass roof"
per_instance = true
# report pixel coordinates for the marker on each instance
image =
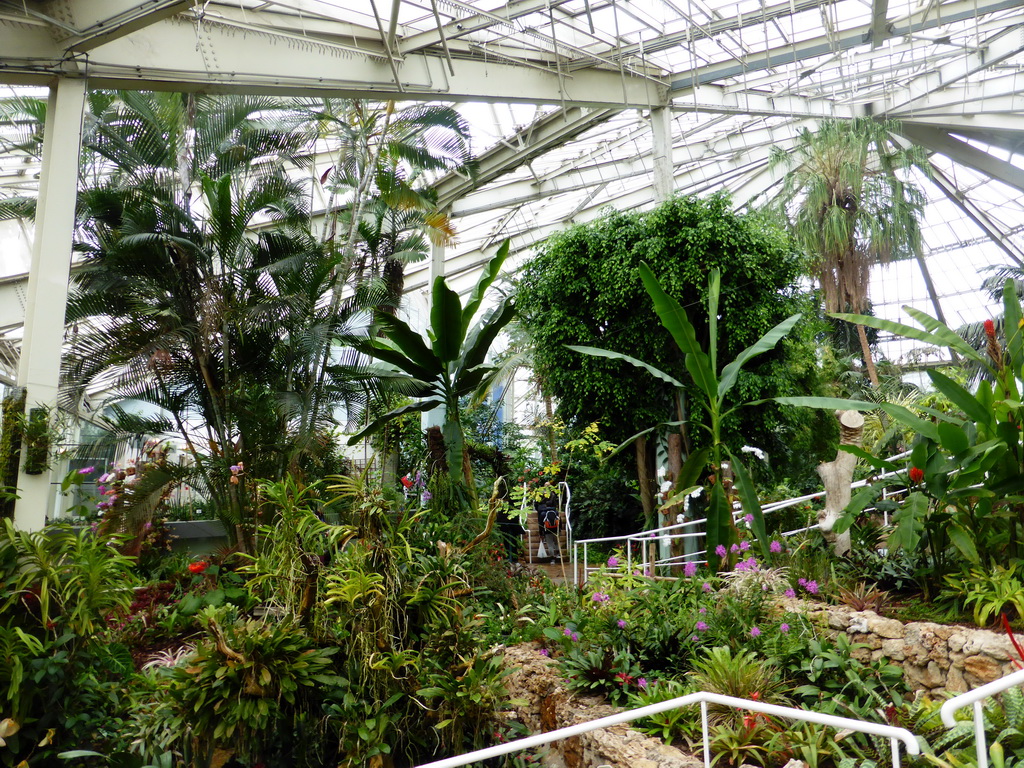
(560, 96)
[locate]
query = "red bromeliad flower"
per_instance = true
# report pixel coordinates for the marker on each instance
(916, 475)
(990, 329)
(198, 566)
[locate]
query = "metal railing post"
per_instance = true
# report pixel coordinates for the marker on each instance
(706, 732)
(979, 735)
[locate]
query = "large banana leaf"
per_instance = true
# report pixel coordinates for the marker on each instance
(487, 276)
(375, 425)
(596, 352)
(381, 350)
(1013, 326)
(962, 399)
(446, 321)
(674, 318)
(479, 340)
(767, 342)
(949, 338)
(410, 343)
(749, 501)
(714, 292)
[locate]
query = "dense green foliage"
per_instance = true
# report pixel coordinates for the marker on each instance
(583, 288)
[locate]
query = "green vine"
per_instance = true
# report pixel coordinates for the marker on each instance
(12, 425)
(37, 441)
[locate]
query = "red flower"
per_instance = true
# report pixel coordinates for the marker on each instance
(916, 475)
(198, 566)
(990, 329)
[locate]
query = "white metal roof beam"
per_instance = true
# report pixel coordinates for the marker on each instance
(840, 40)
(552, 130)
(977, 215)
(475, 23)
(100, 21)
(964, 154)
(996, 49)
(879, 11)
(177, 55)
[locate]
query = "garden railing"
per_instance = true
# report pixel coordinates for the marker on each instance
(975, 697)
(894, 734)
(672, 532)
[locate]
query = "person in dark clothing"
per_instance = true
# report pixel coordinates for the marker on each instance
(548, 522)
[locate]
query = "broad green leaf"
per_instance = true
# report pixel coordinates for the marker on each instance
(674, 318)
(487, 276)
(408, 342)
(380, 350)
(875, 461)
(596, 352)
(749, 501)
(963, 541)
(948, 337)
(829, 403)
(900, 329)
(1013, 332)
(907, 418)
(378, 423)
(962, 399)
(719, 521)
(714, 292)
(479, 341)
(908, 522)
(767, 342)
(953, 438)
(446, 321)
(632, 438)
(693, 468)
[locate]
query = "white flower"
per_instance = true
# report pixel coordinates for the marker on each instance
(756, 451)
(666, 486)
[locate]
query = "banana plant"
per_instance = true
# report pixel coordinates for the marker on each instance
(716, 387)
(965, 475)
(446, 365)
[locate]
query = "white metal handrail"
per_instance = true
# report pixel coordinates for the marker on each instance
(975, 697)
(894, 734)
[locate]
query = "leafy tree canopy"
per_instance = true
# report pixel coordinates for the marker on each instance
(584, 288)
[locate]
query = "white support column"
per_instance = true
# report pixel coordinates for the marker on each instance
(661, 156)
(39, 368)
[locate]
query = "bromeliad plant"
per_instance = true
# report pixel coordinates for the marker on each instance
(446, 366)
(716, 386)
(966, 471)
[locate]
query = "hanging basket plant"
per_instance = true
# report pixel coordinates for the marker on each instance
(12, 425)
(37, 441)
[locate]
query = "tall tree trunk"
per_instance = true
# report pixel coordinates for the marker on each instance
(869, 361)
(837, 476)
(645, 475)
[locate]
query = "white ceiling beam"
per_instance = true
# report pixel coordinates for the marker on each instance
(718, 99)
(964, 154)
(879, 28)
(550, 131)
(830, 44)
(101, 21)
(995, 50)
(178, 55)
(998, 94)
(475, 22)
(13, 296)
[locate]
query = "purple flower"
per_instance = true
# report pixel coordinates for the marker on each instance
(647, 572)
(705, 587)
(783, 628)
(637, 573)
(427, 496)
(87, 470)
(621, 623)
(694, 638)
(641, 682)
(748, 518)
(802, 582)
(744, 546)
(812, 587)
(734, 548)
(113, 498)
(702, 611)
(236, 468)
(790, 592)
(574, 637)
(148, 526)
(701, 626)
(567, 632)
(613, 562)
(689, 569)
(720, 550)
(751, 563)
(101, 489)
(755, 632)
(544, 652)
(775, 546)
(600, 597)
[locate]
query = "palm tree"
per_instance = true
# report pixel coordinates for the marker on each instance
(181, 304)
(855, 208)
